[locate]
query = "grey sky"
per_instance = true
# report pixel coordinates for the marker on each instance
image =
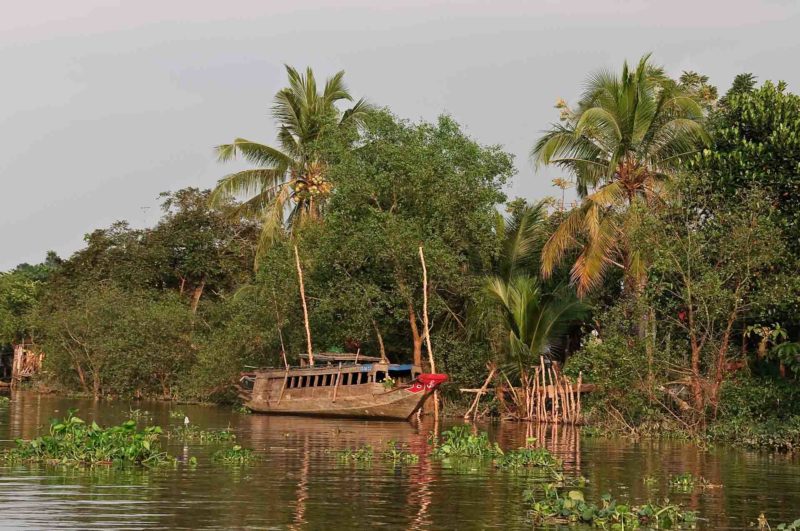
(105, 104)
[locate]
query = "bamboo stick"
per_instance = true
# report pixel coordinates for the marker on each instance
(560, 391)
(570, 399)
(580, 382)
(338, 377)
(480, 393)
(426, 324)
(535, 404)
(305, 308)
(553, 393)
(283, 387)
(544, 390)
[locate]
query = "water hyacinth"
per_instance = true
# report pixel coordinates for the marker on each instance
(459, 441)
(571, 507)
(235, 455)
(399, 453)
(72, 441)
(358, 455)
(191, 433)
(527, 458)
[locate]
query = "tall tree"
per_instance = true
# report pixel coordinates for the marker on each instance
(628, 135)
(295, 171)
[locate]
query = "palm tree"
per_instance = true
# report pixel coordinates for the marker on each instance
(627, 137)
(533, 318)
(289, 185)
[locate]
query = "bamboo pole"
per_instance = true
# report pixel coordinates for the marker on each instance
(283, 387)
(426, 324)
(560, 391)
(305, 308)
(580, 382)
(569, 398)
(338, 378)
(545, 391)
(553, 395)
(535, 409)
(480, 393)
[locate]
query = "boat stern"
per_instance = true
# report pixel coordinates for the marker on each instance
(427, 382)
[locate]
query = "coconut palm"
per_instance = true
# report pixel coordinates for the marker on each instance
(534, 318)
(627, 137)
(289, 185)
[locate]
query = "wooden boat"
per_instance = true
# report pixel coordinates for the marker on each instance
(340, 385)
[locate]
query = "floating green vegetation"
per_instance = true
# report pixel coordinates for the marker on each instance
(72, 441)
(794, 526)
(358, 455)
(460, 441)
(176, 414)
(399, 453)
(649, 481)
(571, 508)
(527, 458)
(4, 400)
(139, 414)
(196, 434)
(686, 482)
(763, 524)
(241, 408)
(395, 452)
(235, 455)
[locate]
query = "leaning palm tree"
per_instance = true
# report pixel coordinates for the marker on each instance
(627, 137)
(290, 184)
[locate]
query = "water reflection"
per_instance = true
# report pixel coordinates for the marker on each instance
(300, 484)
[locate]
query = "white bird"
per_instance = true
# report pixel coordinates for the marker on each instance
(185, 420)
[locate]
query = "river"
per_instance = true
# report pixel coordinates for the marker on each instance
(300, 484)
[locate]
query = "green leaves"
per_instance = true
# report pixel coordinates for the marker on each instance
(628, 135)
(72, 441)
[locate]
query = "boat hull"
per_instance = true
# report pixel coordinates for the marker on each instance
(396, 404)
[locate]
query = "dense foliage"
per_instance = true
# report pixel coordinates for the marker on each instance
(672, 284)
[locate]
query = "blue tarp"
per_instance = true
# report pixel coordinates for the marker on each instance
(394, 367)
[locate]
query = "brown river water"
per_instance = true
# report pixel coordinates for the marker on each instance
(300, 483)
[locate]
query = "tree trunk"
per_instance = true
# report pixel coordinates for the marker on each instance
(722, 357)
(81, 377)
(416, 338)
(96, 384)
(198, 292)
(380, 340)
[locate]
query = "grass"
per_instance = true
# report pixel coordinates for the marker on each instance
(72, 441)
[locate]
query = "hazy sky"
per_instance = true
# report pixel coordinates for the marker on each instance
(105, 104)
